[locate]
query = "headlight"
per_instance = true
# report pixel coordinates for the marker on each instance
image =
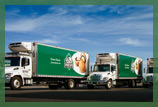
(8, 75)
(88, 78)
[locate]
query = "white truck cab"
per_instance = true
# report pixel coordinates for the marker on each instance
(104, 72)
(18, 65)
(148, 78)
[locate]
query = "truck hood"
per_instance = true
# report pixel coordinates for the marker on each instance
(99, 75)
(10, 69)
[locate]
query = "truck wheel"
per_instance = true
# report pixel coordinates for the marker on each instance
(53, 86)
(90, 86)
(109, 84)
(69, 84)
(16, 83)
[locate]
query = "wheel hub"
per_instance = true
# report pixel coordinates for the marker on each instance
(16, 83)
(109, 84)
(71, 84)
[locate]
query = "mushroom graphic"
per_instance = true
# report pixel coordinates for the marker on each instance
(81, 62)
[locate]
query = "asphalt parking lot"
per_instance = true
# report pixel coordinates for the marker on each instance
(81, 94)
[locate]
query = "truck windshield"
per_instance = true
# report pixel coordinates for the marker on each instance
(150, 70)
(102, 68)
(12, 61)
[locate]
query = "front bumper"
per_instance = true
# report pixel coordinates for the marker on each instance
(148, 83)
(97, 82)
(7, 80)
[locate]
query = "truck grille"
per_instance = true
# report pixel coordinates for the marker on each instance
(95, 77)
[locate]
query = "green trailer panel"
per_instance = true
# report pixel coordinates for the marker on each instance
(129, 67)
(53, 61)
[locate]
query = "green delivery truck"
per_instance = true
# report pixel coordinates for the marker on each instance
(36, 62)
(115, 69)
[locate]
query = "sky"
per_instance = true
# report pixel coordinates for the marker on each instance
(126, 29)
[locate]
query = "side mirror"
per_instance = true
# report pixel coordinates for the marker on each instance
(91, 68)
(23, 62)
(144, 70)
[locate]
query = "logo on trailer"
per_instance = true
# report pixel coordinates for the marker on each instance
(68, 62)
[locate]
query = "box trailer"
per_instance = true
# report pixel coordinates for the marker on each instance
(37, 62)
(115, 69)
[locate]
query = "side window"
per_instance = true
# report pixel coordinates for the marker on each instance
(25, 62)
(113, 68)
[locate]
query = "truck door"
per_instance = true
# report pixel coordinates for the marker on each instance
(113, 71)
(26, 67)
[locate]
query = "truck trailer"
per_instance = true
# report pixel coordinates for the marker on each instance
(115, 69)
(36, 62)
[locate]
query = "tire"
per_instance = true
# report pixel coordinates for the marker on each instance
(16, 83)
(69, 84)
(53, 86)
(90, 86)
(109, 84)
